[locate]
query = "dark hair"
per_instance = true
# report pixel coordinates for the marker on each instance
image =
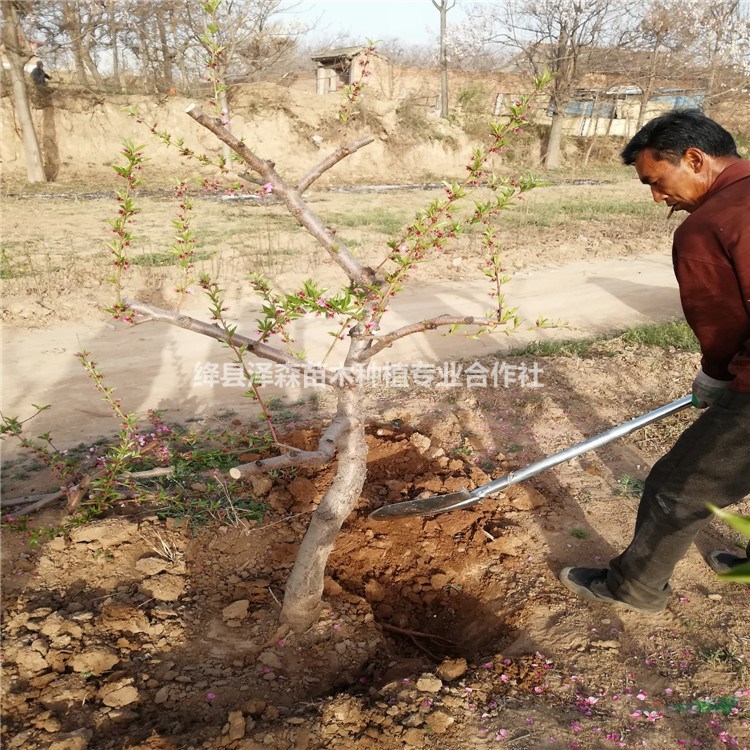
(672, 134)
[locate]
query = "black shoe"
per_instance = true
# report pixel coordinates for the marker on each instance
(723, 562)
(591, 584)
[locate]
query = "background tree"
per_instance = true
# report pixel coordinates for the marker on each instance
(443, 7)
(18, 52)
(721, 48)
(650, 49)
(561, 36)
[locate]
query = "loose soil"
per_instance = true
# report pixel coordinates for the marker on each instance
(140, 631)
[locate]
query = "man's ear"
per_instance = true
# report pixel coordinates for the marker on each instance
(695, 159)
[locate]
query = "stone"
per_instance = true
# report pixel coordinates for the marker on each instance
(63, 694)
(95, 661)
(162, 695)
(438, 722)
(30, 663)
(108, 533)
(505, 545)
(525, 497)
(429, 683)
(120, 617)
(261, 485)
(119, 693)
(302, 490)
(452, 669)
(421, 442)
(78, 740)
(413, 738)
(236, 725)
(374, 592)
(164, 587)
(438, 581)
(270, 659)
(255, 706)
(331, 587)
(236, 610)
(151, 566)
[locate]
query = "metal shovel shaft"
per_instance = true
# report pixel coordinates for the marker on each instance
(456, 501)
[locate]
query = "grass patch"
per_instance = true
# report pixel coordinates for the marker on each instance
(675, 334)
(573, 211)
(628, 486)
(672, 335)
(570, 348)
(378, 219)
(156, 260)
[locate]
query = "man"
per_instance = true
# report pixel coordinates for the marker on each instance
(39, 75)
(691, 163)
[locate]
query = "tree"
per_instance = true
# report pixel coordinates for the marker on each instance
(238, 35)
(722, 47)
(358, 309)
(18, 53)
(443, 7)
(560, 36)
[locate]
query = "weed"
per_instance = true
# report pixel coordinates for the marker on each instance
(579, 534)
(158, 259)
(674, 334)
(629, 486)
(379, 220)
(724, 657)
(577, 348)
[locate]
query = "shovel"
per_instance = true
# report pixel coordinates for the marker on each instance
(432, 506)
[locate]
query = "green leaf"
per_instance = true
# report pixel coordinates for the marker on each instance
(737, 522)
(738, 574)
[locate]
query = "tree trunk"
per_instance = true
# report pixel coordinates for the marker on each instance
(224, 105)
(32, 153)
(73, 27)
(165, 51)
(443, 61)
(552, 157)
(114, 47)
(304, 589)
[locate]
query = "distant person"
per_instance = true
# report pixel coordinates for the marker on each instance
(39, 75)
(691, 163)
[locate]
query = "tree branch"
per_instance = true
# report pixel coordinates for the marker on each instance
(324, 453)
(362, 275)
(40, 503)
(215, 332)
(383, 342)
(331, 160)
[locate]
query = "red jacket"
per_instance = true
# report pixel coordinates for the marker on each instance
(711, 255)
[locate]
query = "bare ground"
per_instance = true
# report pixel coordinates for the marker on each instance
(141, 632)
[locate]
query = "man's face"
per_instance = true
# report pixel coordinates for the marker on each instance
(682, 185)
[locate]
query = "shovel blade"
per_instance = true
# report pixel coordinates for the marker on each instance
(425, 507)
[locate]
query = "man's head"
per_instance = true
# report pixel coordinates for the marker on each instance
(39, 64)
(679, 155)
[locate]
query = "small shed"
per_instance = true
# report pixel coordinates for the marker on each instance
(337, 67)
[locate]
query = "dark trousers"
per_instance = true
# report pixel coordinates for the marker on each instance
(709, 463)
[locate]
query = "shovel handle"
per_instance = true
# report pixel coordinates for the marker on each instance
(437, 504)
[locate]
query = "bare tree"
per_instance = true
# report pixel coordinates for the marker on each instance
(18, 53)
(80, 21)
(443, 7)
(560, 36)
(722, 47)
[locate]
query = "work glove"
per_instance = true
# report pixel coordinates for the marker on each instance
(707, 389)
